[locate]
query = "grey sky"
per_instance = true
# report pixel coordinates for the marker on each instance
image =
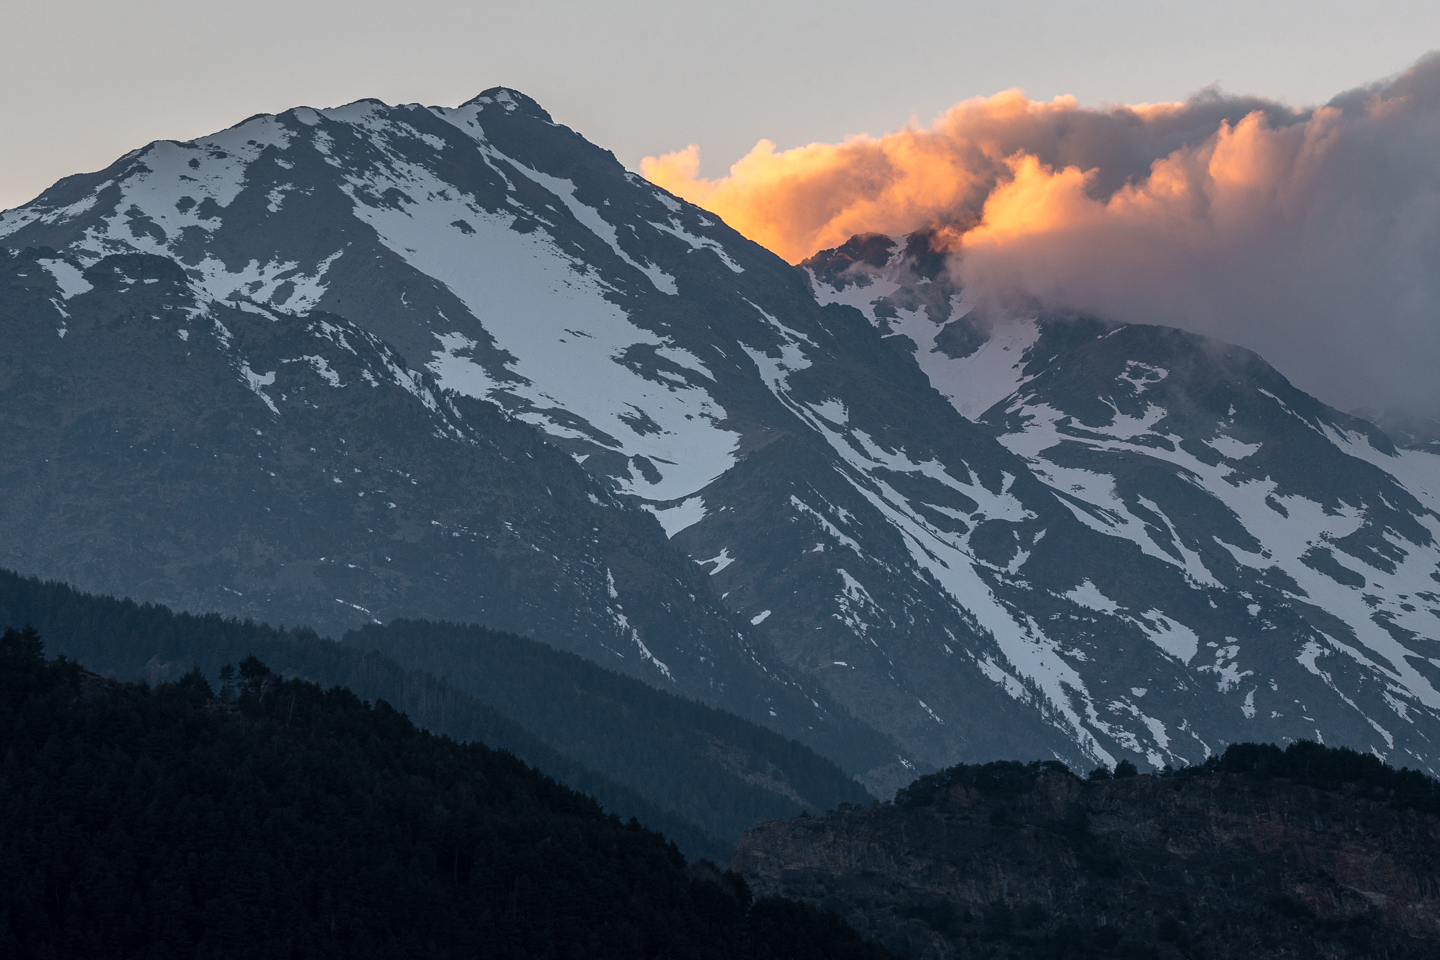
(86, 80)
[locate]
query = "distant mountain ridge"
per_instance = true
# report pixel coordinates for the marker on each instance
(854, 526)
(1287, 552)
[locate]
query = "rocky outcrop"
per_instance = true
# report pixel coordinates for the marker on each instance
(1215, 865)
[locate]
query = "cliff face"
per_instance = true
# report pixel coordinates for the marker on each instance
(1220, 865)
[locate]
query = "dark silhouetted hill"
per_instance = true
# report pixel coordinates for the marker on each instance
(278, 819)
(1261, 852)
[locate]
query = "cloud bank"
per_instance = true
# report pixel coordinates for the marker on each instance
(1309, 235)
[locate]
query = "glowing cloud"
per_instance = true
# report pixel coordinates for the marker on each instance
(806, 199)
(802, 200)
(1311, 236)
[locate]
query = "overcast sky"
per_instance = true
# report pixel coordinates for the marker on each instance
(84, 81)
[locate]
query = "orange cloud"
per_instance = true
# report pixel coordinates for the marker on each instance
(805, 199)
(1044, 237)
(799, 201)
(1312, 236)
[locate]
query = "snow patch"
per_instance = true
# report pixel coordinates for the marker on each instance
(721, 561)
(257, 383)
(1142, 376)
(1232, 449)
(1170, 635)
(832, 410)
(1089, 596)
(67, 277)
(696, 243)
(675, 518)
(322, 367)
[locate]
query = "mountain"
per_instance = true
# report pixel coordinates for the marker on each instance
(280, 819)
(681, 399)
(685, 367)
(1258, 853)
(697, 774)
(1266, 566)
(853, 531)
(148, 458)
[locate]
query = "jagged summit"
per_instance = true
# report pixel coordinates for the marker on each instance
(511, 101)
(922, 255)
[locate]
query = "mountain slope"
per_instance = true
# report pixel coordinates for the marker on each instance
(715, 768)
(1285, 582)
(521, 265)
(225, 456)
(1216, 465)
(697, 774)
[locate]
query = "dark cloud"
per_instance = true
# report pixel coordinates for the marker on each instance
(1312, 237)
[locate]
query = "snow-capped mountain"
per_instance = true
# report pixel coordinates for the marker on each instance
(1273, 562)
(231, 456)
(798, 434)
(438, 231)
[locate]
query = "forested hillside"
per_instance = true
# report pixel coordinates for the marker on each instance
(280, 819)
(712, 766)
(699, 775)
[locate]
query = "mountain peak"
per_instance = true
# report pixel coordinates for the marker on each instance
(512, 101)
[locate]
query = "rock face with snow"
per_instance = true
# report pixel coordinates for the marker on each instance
(1269, 566)
(1033, 582)
(224, 455)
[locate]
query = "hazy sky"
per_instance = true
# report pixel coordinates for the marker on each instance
(85, 80)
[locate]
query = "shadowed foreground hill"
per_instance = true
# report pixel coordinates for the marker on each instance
(1307, 852)
(280, 820)
(699, 775)
(711, 766)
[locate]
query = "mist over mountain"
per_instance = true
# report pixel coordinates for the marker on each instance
(384, 362)
(1306, 234)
